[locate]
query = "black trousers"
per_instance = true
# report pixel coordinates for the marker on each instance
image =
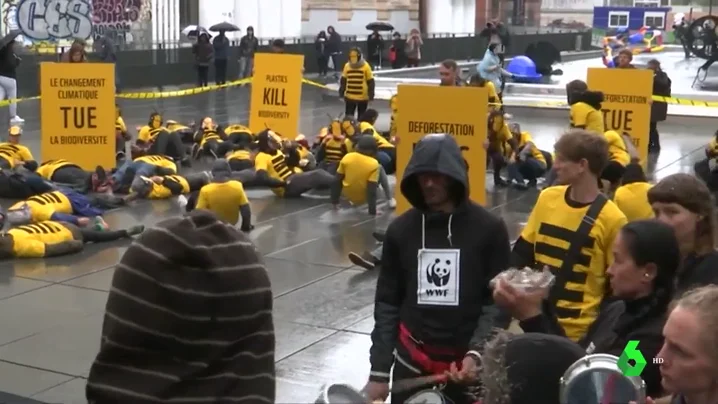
(613, 172)
(97, 236)
(169, 144)
(220, 71)
(74, 177)
(323, 63)
(355, 108)
(202, 76)
(654, 140)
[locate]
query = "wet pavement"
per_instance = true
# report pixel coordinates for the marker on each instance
(51, 310)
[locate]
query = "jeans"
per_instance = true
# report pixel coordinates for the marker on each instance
(528, 169)
(140, 167)
(8, 90)
(384, 182)
(246, 65)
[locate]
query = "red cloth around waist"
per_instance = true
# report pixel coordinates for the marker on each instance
(418, 352)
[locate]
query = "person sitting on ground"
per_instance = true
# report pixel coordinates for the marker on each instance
(122, 136)
(585, 107)
(333, 146)
(209, 140)
(621, 152)
(223, 196)
(298, 156)
(357, 176)
(13, 154)
(632, 196)
(188, 318)
(271, 164)
(707, 169)
(154, 138)
(387, 151)
(528, 162)
(52, 238)
(499, 136)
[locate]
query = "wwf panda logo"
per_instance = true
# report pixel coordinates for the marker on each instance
(438, 273)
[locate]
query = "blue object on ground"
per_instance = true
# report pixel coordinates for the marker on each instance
(524, 70)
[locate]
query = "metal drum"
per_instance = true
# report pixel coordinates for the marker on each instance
(340, 394)
(596, 379)
(427, 397)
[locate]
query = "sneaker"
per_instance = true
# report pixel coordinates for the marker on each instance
(379, 236)
(99, 224)
(16, 119)
(359, 261)
(182, 201)
(392, 203)
(135, 230)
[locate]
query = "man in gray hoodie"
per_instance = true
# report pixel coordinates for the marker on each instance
(247, 47)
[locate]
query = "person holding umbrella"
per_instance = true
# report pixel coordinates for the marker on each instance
(8, 77)
(221, 50)
(375, 43)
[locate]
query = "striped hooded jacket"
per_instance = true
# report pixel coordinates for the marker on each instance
(188, 319)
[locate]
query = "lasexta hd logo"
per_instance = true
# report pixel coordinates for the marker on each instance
(631, 353)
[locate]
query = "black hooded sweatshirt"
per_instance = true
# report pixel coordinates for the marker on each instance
(482, 239)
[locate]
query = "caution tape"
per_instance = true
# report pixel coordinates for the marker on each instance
(166, 94)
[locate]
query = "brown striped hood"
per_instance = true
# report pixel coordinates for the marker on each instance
(188, 318)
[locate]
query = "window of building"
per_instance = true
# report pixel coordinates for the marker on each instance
(188, 12)
(618, 19)
(654, 19)
(646, 3)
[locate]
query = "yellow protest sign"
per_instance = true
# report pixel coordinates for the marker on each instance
(77, 113)
(276, 93)
(626, 102)
(459, 111)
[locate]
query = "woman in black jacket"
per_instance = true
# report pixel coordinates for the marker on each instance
(685, 203)
(646, 257)
(320, 43)
(334, 48)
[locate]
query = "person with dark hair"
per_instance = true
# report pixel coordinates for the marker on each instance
(334, 45)
(220, 44)
(248, 46)
(500, 145)
(571, 230)
(320, 46)
(386, 153)
(632, 195)
(646, 261)
(491, 67)
(203, 54)
(477, 81)
(449, 73)
(433, 305)
(357, 177)
(659, 110)
(686, 204)
(278, 46)
(585, 107)
(528, 163)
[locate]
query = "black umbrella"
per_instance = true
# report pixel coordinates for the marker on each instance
(380, 26)
(10, 37)
(224, 27)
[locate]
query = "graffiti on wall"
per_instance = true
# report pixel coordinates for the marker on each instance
(57, 20)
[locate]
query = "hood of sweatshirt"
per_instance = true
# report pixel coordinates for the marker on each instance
(438, 154)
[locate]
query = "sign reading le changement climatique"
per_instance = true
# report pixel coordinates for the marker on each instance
(78, 113)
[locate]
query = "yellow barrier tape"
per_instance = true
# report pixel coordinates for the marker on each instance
(167, 94)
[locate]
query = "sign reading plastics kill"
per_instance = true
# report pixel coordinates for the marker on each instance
(77, 112)
(626, 103)
(458, 111)
(276, 93)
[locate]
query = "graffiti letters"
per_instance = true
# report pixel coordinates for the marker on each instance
(42, 20)
(117, 16)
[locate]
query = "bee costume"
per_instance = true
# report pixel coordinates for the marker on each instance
(154, 138)
(51, 238)
(357, 84)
